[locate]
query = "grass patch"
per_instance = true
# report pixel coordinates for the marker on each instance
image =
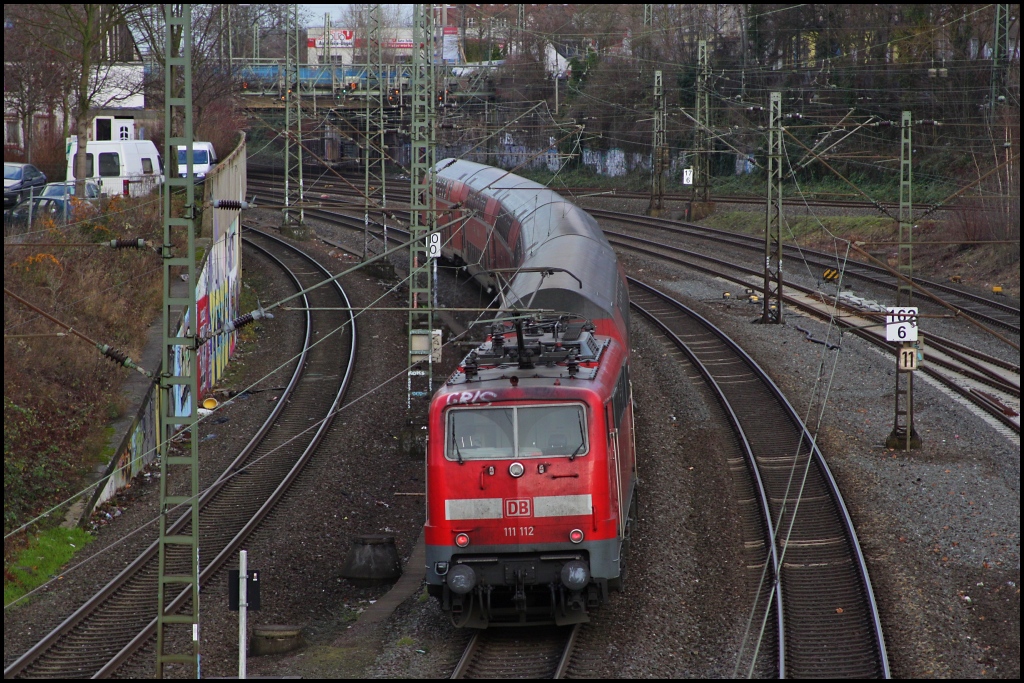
(826, 187)
(59, 396)
(805, 230)
(41, 560)
(348, 615)
(405, 641)
(100, 447)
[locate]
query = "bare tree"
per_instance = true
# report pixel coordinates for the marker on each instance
(93, 43)
(35, 78)
(221, 35)
(210, 79)
(356, 18)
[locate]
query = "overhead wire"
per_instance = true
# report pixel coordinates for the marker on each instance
(552, 179)
(225, 477)
(814, 393)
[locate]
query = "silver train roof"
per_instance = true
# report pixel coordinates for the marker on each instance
(572, 241)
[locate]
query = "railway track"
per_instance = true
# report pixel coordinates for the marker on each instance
(579, 192)
(991, 311)
(963, 371)
(987, 382)
(117, 622)
(544, 652)
(804, 559)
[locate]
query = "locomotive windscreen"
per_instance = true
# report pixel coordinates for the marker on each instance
(516, 432)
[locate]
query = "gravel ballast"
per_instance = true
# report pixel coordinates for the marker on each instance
(939, 526)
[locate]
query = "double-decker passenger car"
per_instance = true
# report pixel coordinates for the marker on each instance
(531, 469)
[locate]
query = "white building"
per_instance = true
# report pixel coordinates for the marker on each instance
(348, 46)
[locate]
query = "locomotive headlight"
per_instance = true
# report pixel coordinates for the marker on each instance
(516, 469)
(576, 536)
(462, 540)
(461, 579)
(575, 575)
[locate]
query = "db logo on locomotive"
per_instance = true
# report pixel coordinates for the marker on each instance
(518, 507)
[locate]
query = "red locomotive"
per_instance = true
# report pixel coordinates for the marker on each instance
(531, 468)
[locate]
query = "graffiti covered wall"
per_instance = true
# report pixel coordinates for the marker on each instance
(217, 291)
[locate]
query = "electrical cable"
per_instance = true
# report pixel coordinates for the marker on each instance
(110, 352)
(762, 630)
(225, 477)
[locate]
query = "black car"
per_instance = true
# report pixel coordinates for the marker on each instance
(58, 209)
(19, 181)
(67, 189)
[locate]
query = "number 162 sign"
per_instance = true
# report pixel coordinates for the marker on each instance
(901, 324)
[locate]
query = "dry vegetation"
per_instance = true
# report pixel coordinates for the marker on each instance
(59, 393)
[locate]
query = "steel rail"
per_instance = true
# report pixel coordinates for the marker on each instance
(32, 655)
(755, 474)
(573, 192)
(721, 272)
(268, 505)
(985, 375)
(467, 656)
(535, 655)
(808, 660)
(136, 566)
(853, 268)
(860, 270)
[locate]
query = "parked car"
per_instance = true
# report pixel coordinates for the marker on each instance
(67, 189)
(59, 209)
(19, 179)
(204, 158)
(119, 167)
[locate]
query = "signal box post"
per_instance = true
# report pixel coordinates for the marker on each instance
(901, 328)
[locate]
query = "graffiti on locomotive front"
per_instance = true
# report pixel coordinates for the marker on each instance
(471, 397)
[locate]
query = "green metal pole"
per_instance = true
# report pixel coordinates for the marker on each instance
(904, 435)
(1000, 59)
(657, 203)
(702, 161)
(294, 224)
(375, 191)
(421, 206)
(179, 387)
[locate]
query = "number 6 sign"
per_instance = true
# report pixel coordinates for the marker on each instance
(901, 324)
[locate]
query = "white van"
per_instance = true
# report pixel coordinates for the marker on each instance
(120, 167)
(204, 158)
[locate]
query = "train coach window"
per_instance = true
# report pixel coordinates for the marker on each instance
(518, 432)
